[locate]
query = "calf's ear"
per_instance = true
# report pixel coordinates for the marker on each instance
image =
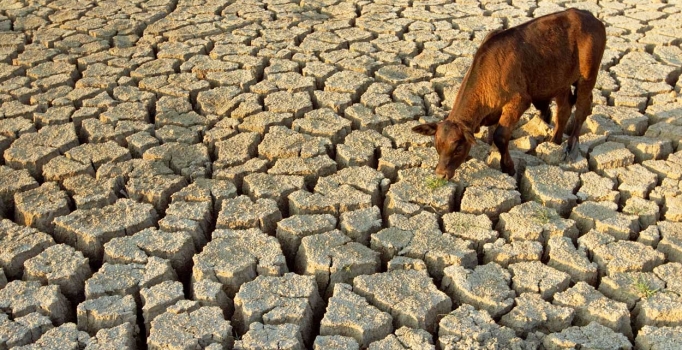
(427, 129)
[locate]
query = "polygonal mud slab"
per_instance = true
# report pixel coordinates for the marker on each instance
(177, 247)
(509, 253)
(18, 244)
(436, 249)
(564, 257)
(157, 299)
(597, 189)
(282, 142)
(409, 296)
(604, 217)
(362, 178)
(275, 187)
(291, 230)
(128, 279)
(20, 298)
(275, 300)
(659, 310)
(630, 287)
(265, 336)
(243, 213)
(336, 201)
(536, 277)
(610, 155)
(23, 330)
(120, 337)
(360, 224)
(625, 256)
(535, 222)
(591, 336)
(489, 201)
(89, 229)
(350, 315)
(60, 265)
(467, 327)
(39, 206)
(474, 228)
(190, 326)
(633, 181)
(551, 186)
(106, 312)
(334, 258)
(532, 313)
(14, 181)
(233, 258)
(671, 240)
(88, 192)
(592, 306)
(66, 336)
(486, 287)
(335, 342)
(412, 194)
(658, 338)
(405, 338)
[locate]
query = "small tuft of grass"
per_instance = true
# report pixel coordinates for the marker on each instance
(435, 182)
(543, 216)
(644, 288)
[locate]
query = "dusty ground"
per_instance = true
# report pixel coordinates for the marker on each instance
(219, 174)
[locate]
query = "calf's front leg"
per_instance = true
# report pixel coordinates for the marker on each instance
(511, 113)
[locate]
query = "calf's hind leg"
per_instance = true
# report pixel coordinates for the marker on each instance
(511, 113)
(583, 108)
(564, 105)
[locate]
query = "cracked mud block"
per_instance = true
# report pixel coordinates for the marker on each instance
(597, 189)
(405, 338)
(564, 257)
(264, 336)
(18, 244)
(625, 256)
(671, 240)
(120, 337)
(393, 160)
(335, 342)
(338, 200)
(128, 279)
(604, 217)
(658, 338)
(296, 103)
(243, 213)
(106, 312)
(89, 229)
(261, 122)
(59, 265)
(592, 306)
(350, 82)
(98, 154)
(158, 298)
(668, 272)
(206, 190)
(361, 148)
(659, 310)
(467, 327)
(645, 148)
(504, 253)
(61, 168)
(489, 201)
(363, 178)
(642, 66)
(236, 257)
(532, 221)
(334, 258)
(409, 296)
(89, 193)
(405, 263)
(177, 247)
(20, 298)
(23, 330)
(633, 181)
(66, 336)
(629, 120)
(236, 150)
(360, 224)
(282, 142)
(140, 142)
(665, 131)
(532, 313)
(474, 228)
(402, 117)
(362, 116)
(38, 207)
(34, 150)
(424, 221)
(591, 336)
(649, 236)
(187, 325)
(400, 74)
(291, 230)
(485, 286)
(275, 187)
(209, 293)
(275, 300)
(352, 316)
(438, 250)
(411, 194)
(630, 287)
(536, 277)
(310, 168)
(551, 186)
(610, 155)
(190, 161)
(324, 123)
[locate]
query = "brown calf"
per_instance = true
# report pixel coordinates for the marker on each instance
(535, 62)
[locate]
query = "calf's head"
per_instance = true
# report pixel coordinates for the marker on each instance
(453, 141)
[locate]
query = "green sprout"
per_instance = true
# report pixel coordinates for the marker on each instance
(644, 288)
(543, 216)
(435, 182)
